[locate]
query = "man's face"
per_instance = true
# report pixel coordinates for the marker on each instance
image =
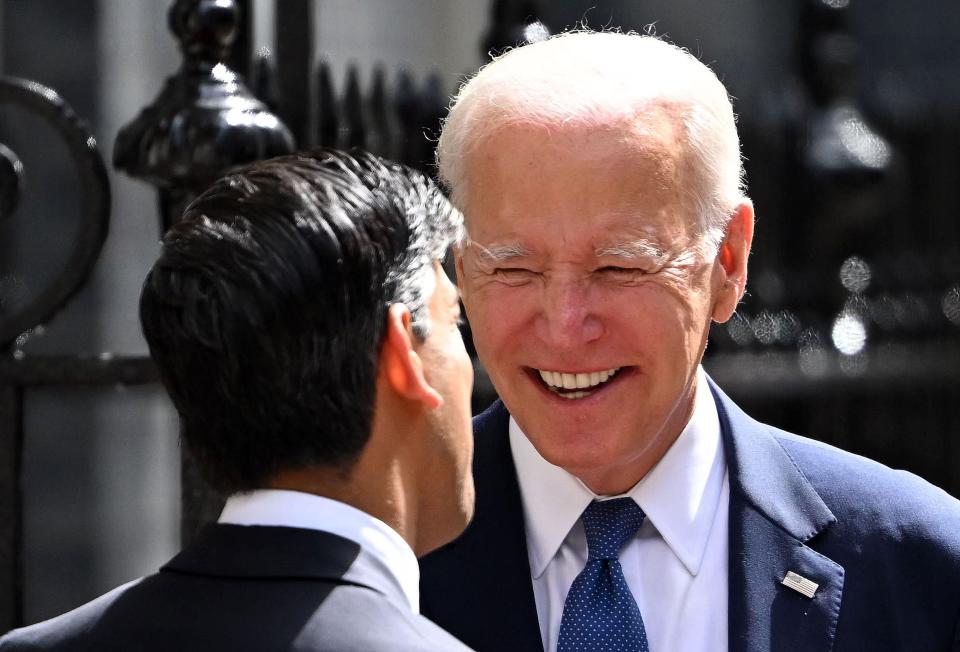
(584, 272)
(447, 368)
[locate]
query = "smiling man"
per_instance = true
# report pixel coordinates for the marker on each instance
(623, 501)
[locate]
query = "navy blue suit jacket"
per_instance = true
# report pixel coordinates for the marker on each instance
(883, 545)
(248, 588)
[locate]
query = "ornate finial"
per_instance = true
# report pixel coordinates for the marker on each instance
(381, 132)
(841, 146)
(328, 120)
(829, 49)
(264, 82)
(433, 109)
(205, 28)
(407, 102)
(353, 129)
(205, 121)
(848, 174)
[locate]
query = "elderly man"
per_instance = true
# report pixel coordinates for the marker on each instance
(623, 501)
(308, 338)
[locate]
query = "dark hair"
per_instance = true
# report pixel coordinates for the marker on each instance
(266, 309)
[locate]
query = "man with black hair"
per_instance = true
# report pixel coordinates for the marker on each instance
(307, 335)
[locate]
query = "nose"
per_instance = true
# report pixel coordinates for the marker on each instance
(567, 319)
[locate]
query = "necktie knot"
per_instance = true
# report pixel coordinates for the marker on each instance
(609, 524)
(599, 612)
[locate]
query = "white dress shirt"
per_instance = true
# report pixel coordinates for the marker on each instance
(676, 566)
(274, 507)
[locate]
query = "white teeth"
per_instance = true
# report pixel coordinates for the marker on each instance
(578, 381)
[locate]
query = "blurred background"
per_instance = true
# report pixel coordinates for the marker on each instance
(849, 113)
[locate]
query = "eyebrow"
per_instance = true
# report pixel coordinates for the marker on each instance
(633, 250)
(499, 253)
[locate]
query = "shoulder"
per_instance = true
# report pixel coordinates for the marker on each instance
(869, 504)
(323, 618)
(838, 473)
(359, 618)
(67, 631)
(880, 502)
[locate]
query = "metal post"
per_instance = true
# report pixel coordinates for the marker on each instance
(294, 25)
(204, 123)
(11, 508)
(240, 54)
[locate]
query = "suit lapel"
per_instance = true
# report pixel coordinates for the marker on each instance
(775, 513)
(479, 587)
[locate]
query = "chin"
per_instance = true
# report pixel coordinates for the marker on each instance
(576, 449)
(582, 466)
(467, 504)
(448, 521)
(451, 527)
(594, 462)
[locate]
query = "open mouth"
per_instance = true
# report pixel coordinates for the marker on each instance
(577, 385)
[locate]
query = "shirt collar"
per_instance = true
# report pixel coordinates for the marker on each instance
(280, 508)
(679, 495)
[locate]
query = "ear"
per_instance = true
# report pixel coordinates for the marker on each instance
(400, 364)
(730, 267)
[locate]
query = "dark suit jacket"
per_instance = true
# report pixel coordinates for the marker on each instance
(883, 545)
(248, 588)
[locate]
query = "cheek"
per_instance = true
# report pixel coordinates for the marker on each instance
(464, 365)
(650, 317)
(499, 315)
(456, 356)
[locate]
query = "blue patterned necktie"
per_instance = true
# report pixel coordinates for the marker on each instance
(600, 612)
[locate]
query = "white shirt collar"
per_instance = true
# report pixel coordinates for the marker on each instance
(679, 495)
(274, 507)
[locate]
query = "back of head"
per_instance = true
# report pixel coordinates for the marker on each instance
(602, 80)
(266, 309)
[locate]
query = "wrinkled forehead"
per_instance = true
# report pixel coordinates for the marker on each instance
(615, 172)
(656, 124)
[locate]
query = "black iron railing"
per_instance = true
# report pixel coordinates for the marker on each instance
(843, 336)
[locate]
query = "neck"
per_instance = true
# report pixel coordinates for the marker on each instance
(381, 482)
(606, 484)
(378, 499)
(620, 480)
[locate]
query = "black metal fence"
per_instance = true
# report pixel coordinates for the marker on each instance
(203, 122)
(851, 329)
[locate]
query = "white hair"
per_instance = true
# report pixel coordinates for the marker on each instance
(604, 80)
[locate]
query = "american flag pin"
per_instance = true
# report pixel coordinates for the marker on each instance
(800, 584)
